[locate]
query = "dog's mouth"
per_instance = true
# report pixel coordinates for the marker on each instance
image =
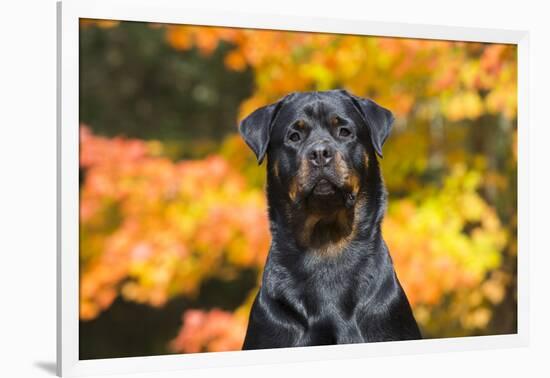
(324, 187)
(326, 195)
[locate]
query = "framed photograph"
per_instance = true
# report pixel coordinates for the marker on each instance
(242, 188)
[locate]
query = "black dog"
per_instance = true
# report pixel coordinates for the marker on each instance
(329, 278)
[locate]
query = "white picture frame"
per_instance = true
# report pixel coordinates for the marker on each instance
(172, 11)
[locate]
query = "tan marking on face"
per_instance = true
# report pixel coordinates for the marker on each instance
(304, 169)
(301, 178)
(276, 169)
(354, 183)
(348, 177)
(334, 121)
(300, 124)
(293, 190)
(340, 165)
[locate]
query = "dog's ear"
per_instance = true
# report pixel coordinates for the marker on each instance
(379, 120)
(256, 128)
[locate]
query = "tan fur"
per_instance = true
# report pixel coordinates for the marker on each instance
(350, 178)
(303, 172)
(308, 228)
(276, 169)
(293, 190)
(353, 182)
(340, 166)
(298, 181)
(334, 248)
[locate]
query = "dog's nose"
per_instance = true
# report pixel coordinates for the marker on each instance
(320, 154)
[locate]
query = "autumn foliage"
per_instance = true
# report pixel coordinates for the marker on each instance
(154, 228)
(161, 227)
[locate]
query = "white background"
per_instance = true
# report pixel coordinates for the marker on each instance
(27, 188)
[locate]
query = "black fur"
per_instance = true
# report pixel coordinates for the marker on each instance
(329, 278)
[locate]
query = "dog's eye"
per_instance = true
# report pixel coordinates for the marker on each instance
(344, 132)
(295, 137)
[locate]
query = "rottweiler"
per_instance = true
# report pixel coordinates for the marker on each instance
(328, 278)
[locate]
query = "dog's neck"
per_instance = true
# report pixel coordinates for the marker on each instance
(325, 234)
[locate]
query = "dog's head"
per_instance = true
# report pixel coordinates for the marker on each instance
(319, 147)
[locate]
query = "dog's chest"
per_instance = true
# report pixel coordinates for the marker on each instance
(328, 293)
(330, 307)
